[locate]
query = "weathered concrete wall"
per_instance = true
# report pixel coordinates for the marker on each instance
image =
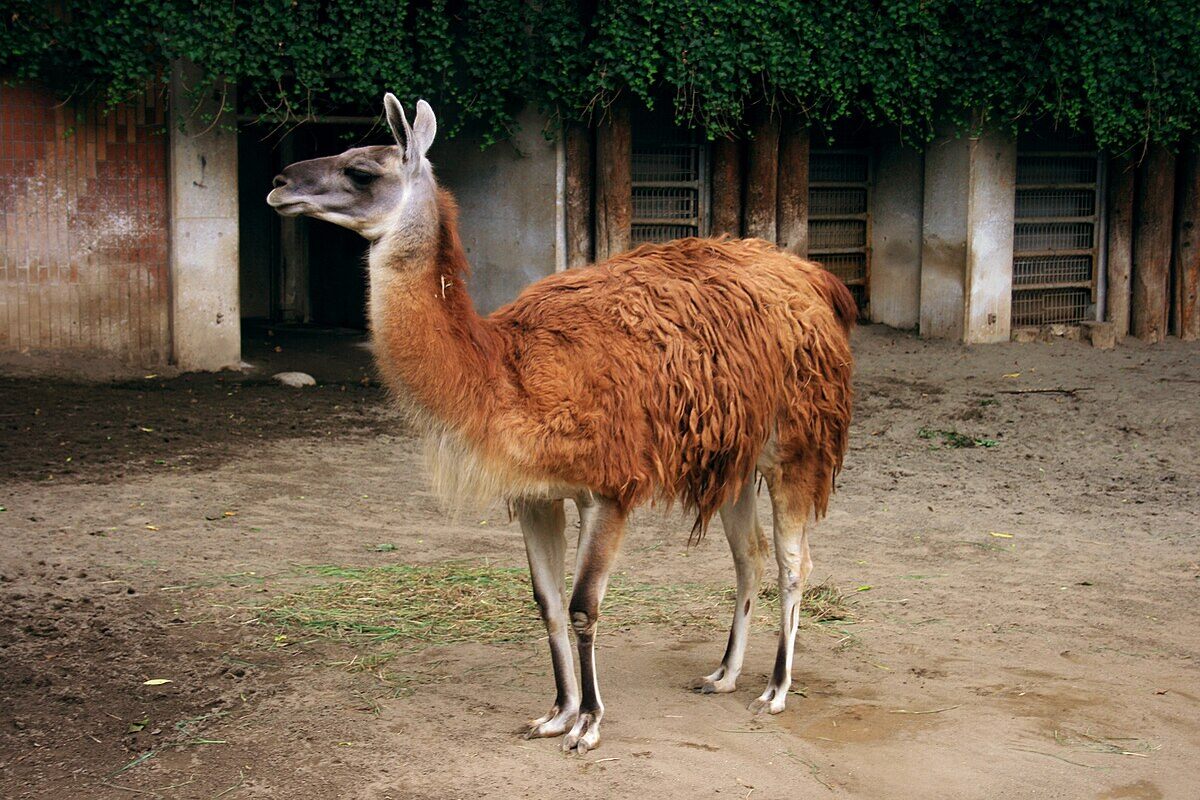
(507, 198)
(895, 289)
(204, 230)
(944, 237)
(967, 238)
(83, 228)
(991, 218)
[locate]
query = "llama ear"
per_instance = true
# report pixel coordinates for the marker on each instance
(397, 121)
(424, 130)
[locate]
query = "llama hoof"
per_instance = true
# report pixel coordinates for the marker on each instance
(584, 736)
(772, 701)
(556, 723)
(711, 684)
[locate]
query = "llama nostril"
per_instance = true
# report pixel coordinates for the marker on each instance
(279, 181)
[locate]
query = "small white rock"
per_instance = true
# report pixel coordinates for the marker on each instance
(295, 379)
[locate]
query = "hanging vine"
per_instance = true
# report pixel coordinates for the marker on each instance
(1125, 71)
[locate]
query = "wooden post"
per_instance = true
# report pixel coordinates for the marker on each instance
(792, 207)
(726, 188)
(293, 252)
(1187, 246)
(1121, 179)
(578, 146)
(762, 175)
(614, 182)
(1153, 210)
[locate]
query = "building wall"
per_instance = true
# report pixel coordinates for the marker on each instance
(509, 211)
(83, 227)
(895, 290)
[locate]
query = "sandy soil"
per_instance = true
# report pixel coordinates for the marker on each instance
(145, 521)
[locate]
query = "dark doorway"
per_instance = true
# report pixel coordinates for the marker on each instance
(337, 264)
(333, 261)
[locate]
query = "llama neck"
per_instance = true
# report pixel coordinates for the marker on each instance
(432, 347)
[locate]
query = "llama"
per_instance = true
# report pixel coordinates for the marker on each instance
(674, 372)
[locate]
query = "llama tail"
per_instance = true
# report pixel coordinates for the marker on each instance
(835, 293)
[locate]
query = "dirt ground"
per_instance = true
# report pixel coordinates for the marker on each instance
(1029, 608)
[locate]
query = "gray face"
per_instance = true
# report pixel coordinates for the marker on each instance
(358, 189)
(365, 189)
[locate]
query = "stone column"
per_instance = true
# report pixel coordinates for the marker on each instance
(967, 238)
(205, 308)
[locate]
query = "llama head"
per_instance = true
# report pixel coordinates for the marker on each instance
(365, 189)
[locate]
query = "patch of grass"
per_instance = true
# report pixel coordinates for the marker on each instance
(954, 439)
(459, 602)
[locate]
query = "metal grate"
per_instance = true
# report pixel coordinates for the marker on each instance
(850, 267)
(837, 201)
(1055, 237)
(642, 233)
(1050, 236)
(838, 166)
(657, 162)
(1039, 270)
(1056, 202)
(838, 233)
(839, 219)
(1050, 306)
(670, 196)
(653, 202)
(1056, 168)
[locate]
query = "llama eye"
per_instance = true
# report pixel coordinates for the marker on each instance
(360, 177)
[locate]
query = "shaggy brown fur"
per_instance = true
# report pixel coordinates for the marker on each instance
(663, 373)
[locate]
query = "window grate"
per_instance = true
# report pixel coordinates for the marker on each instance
(665, 203)
(837, 233)
(1034, 270)
(837, 166)
(1048, 236)
(1056, 203)
(675, 163)
(1050, 306)
(1056, 168)
(643, 232)
(1055, 238)
(850, 267)
(670, 198)
(839, 202)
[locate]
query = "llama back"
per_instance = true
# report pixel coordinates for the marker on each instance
(688, 358)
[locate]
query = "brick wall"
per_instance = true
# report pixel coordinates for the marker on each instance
(83, 227)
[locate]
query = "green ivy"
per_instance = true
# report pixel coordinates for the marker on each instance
(1125, 71)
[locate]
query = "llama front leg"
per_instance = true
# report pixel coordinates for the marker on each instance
(601, 530)
(748, 545)
(543, 524)
(795, 564)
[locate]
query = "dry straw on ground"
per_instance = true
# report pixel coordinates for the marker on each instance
(457, 602)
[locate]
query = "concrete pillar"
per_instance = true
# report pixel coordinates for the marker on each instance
(895, 289)
(205, 313)
(967, 238)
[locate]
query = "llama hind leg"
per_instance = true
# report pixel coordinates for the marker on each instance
(543, 524)
(601, 530)
(739, 517)
(795, 564)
